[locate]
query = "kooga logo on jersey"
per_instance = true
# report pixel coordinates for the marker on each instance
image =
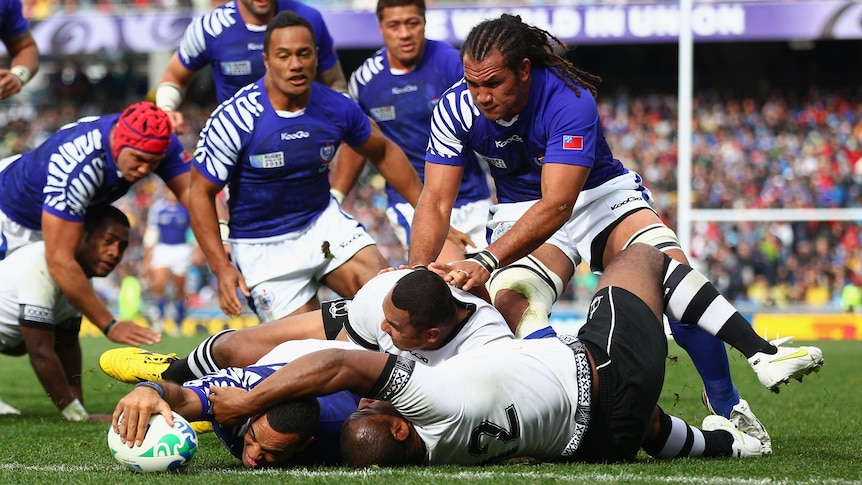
(295, 136)
(410, 88)
(501, 144)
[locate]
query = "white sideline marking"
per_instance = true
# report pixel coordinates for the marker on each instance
(337, 473)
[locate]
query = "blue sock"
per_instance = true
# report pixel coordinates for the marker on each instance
(542, 333)
(181, 311)
(160, 305)
(710, 359)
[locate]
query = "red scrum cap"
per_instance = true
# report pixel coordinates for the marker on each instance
(142, 126)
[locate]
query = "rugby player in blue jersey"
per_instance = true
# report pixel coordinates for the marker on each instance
(230, 39)
(20, 46)
(168, 255)
(398, 87)
(563, 197)
(292, 433)
(271, 144)
(94, 161)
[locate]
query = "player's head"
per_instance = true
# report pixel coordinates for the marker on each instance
(261, 10)
(106, 237)
(290, 55)
(140, 139)
(498, 56)
(419, 312)
(402, 25)
(377, 434)
(284, 430)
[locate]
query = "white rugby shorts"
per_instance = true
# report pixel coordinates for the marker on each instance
(14, 235)
(594, 211)
(176, 257)
(284, 274)
(471, 219)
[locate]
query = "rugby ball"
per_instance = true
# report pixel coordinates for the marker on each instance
(164, 449)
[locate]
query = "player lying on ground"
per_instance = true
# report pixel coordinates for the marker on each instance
(436, 331)
(599, 392)
(294, 432)
(796, 366)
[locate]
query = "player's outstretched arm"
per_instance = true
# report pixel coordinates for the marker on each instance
(152, 398)
(392, 164)
(61, 239)
(172, 86)
(205, 225)
(316, 374)
(53, 372)
(442, 183)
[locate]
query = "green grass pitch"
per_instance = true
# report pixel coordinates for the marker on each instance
(816, 428)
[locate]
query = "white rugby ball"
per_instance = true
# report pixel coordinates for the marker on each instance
(164, 449)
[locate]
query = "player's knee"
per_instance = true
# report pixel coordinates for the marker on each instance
(647, 259)
(225, 347)
(511, 305)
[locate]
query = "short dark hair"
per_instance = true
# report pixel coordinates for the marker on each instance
(367, 442)
(99, 215)
(426, 298)
(381, 4)
(295, 416)
(286, 18)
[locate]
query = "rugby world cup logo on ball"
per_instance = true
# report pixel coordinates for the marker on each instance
(164, 449)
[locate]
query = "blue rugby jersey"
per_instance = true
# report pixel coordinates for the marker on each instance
(70, 171)
(276, 164)
(235, 49)
(401, 104)
(12, 21)
(334, 409)
(556, 126)
(172, 220)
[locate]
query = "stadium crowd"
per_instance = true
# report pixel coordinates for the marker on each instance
(782, 151)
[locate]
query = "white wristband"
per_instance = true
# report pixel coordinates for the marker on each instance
(22, 73)
(75, 412)
(224, 231)
(339, 195)
(169, 96)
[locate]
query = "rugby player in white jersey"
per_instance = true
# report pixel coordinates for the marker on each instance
(37, 319)
(374, 319)
(591, 398)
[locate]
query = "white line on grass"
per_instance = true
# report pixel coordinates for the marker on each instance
(467, 475)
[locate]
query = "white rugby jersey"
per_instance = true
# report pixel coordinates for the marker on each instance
(365, 315)
(26, 289)
(509, 398)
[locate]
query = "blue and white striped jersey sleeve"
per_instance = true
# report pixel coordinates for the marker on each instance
(450, 125)
(222, 140)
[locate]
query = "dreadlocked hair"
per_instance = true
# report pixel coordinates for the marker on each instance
(515, 40)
